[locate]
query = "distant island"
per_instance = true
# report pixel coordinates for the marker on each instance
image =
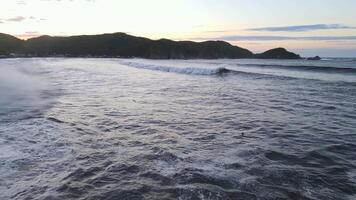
(128, 46)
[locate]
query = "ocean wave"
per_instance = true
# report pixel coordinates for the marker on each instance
(340, 59)
(180, 70)
(306, 68)
(222, 70)
(114, 135)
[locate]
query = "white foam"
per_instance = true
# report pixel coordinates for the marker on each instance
(174, 69)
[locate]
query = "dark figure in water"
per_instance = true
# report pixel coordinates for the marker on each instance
(222, 71)
(314, 58)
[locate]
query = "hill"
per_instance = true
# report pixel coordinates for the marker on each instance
(124, 45)
(9, 44)
(277, 53)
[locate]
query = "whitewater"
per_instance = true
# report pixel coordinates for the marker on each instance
(95, 128)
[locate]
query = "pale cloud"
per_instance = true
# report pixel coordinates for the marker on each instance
(302, 28)
(16, 19)
(276, 38)
(13, 19)
(21, 2)
(20, 19)
(69, 0)
(218, 31)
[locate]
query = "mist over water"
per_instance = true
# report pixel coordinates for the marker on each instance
(168, 129)
(20, 91)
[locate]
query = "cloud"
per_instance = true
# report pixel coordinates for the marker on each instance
(21, 2)
(70, 0)
(36, 19)
(12, 19)
(218, 31)
(276, 38)
(303, 28)
(16, 19)
(20, 19)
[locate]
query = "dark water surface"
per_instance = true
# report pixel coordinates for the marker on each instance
(139, 129)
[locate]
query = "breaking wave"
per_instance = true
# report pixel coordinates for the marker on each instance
(180, 70)
(273, 70)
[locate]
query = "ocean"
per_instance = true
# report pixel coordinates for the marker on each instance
(86, 128)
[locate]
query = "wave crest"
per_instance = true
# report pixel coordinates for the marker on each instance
(180, 70)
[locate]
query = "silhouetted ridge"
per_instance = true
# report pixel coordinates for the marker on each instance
(278, 53)
(124, 45)
(9, 44)
(117, 44)
(169, 49)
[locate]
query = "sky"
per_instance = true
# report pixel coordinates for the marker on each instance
(308, 27)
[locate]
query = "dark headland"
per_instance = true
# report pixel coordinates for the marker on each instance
(127, 46)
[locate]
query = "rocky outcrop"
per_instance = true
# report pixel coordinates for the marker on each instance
(314, 58)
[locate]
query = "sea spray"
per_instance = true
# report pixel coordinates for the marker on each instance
(19, 90)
